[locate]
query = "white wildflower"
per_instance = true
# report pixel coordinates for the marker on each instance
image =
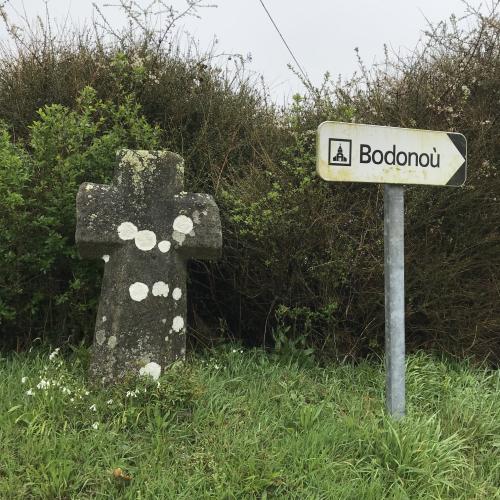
(43, 384)
(65, 390)
(29, 392)
(109, 402)
(95, 425)
(137, 62)
(93, 407)
(53, 354)
(23, 380)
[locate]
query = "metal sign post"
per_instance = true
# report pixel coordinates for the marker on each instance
(394, 274)
(352, 152)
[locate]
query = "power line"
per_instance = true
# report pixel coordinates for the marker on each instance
(284, 41)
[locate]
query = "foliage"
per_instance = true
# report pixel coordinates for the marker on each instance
(317, 249)
(302, 258)
(45, 286)
(245, 424)
(452, 240)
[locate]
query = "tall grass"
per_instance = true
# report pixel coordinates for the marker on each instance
(246, 424)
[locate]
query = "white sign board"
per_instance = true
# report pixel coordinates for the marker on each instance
(352, 152)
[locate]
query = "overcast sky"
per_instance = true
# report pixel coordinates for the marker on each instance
(321, 33)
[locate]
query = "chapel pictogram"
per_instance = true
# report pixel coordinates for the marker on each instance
(339, 156)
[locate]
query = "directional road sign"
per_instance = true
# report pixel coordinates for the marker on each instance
(352, 152)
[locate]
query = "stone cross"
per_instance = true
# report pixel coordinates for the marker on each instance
(144, 227)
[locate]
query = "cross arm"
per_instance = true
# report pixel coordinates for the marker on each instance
(204, 241)
(96, 216)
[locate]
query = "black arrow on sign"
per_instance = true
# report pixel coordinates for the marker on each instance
(460, 142)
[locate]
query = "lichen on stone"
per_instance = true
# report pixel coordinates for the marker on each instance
(100, 336)
(178, 237)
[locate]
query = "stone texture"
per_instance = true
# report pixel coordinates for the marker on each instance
(144, 227)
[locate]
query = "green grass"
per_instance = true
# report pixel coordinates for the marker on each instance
(236, 424)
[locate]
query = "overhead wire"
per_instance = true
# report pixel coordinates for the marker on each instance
(284, 41)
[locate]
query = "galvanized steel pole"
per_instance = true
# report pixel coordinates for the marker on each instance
(394, 299)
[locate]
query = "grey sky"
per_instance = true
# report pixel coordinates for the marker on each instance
(321, 33)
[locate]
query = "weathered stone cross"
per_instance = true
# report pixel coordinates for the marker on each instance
(144, 227)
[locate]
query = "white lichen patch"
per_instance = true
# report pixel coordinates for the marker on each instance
(176, 293)
(100, 337)
(160, 289)
(145, 240)
(104, 319)
(183, 351)
(183, 224)
(138, 291)
(112, 342)
(179, 237)
(164, 321)
(192, 233)
(105, 258)
(178, 324)
(196, 217)
(127, 231)
(152, 370)
(164, 246)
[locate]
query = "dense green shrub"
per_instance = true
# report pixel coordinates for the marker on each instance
(453, 243)
(313, 254)
(302, 258)
(219, 124)
(46, 289)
